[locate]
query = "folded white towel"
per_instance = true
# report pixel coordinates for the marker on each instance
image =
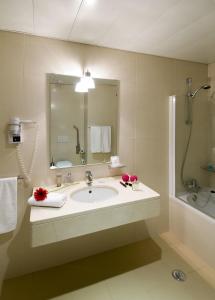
(95, 139)
(8, 204)
(106, 139)
(52, 200)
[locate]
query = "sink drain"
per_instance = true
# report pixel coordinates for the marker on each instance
(178, 275)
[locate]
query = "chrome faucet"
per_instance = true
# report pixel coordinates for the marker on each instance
(192, 185)
(89, 178)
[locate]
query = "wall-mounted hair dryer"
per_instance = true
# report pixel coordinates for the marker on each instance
(15, 136)
(15, 130)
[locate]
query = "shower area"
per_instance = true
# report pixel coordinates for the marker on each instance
(192, 148)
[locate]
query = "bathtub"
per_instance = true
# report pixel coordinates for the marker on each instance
(203, 201)
(193, 228)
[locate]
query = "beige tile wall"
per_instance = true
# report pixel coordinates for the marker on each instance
(145, 84)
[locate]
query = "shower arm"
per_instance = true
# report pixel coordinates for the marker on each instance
(190, 96)
(78, 147)
(193, 94)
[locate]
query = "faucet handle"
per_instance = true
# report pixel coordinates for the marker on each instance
(192, 185)
(88, 173)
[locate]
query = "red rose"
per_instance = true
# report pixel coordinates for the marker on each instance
(133, 178)
(40, 194)
(125, 177)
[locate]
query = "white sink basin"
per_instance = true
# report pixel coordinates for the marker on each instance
(94, 194)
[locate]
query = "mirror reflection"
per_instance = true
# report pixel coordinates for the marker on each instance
(83, 126)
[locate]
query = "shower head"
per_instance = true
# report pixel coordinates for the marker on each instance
(190, 96)
(204, 87)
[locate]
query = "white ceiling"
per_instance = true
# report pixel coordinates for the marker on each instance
(183, 29)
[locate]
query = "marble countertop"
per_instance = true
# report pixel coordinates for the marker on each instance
(72, 208)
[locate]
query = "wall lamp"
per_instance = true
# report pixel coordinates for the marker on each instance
(85, 83)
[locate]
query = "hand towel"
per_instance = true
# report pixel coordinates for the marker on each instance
(8, 204)
(95, 139)
(106, 139)
(52, 200)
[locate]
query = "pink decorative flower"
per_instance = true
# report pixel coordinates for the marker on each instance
(125, 177)
(133, 178)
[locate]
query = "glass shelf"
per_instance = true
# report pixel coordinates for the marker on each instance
(117, 166)
(211, 170)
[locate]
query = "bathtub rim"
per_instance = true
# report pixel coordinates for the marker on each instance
(193, 209)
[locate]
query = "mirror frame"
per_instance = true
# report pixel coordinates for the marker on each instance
(50, 77)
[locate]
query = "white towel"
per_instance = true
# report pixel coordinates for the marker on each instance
(8, 204)
(106, 139)
(100, 139)
(52, 200)
(95, 139)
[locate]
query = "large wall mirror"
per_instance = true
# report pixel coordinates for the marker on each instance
(83, 126)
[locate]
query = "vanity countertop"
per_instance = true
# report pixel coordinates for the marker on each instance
(125, 196)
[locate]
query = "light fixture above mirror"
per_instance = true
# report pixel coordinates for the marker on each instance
(86, 82)
(81, 87)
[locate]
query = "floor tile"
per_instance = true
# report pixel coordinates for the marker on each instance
(153, 276)
(153, 281)
(126, 287)
(97, 291)
(173, 260)
(159, 284)
(198, 289)
(160, 242)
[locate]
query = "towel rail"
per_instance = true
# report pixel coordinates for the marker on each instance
(19, 177)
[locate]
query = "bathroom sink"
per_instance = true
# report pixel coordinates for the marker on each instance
(102, 206)
(94, 194)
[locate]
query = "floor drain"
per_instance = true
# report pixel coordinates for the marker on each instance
(178, 275)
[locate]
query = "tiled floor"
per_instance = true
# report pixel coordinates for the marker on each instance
(150, 282)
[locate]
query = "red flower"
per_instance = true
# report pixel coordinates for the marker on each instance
(40, 194)
(125, 177)
(133, 178)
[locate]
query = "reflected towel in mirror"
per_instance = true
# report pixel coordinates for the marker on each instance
(100, 139)
(106, 139)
